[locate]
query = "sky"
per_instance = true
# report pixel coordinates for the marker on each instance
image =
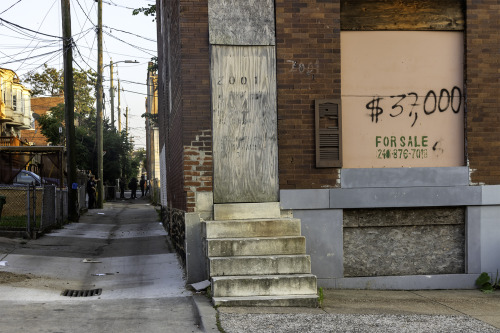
(29, 38)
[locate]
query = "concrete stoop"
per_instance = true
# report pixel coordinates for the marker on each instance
(259, 262)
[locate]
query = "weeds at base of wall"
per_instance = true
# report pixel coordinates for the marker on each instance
(321, 297)
(219, 326)
(486, 284)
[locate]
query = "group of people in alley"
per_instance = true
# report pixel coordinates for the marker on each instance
(132, 185)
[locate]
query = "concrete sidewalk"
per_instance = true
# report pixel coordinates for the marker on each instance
(121, 251)
(375, 311)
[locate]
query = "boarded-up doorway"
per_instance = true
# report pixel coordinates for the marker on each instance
(244, 124)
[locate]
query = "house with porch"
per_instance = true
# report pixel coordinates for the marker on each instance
(15, 109)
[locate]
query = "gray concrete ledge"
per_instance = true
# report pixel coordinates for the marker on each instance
(205, 313)
(408, 282)
(405, 197)
(386, 197)
(404, 177)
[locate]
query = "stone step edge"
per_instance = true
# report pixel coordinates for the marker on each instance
(261, 277)
(270, 219)
(253, 238)
(310, 301)
(262, 256)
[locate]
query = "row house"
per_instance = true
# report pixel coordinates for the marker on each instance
(152, 130)
(373, 122)
(15, 109)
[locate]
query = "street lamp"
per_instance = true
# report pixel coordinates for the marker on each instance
(112, 90)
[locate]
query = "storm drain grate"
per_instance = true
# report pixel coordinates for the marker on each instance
(81, 293)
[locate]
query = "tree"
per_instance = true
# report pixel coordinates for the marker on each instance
(148, 11)
(118, 159)
(50, 82)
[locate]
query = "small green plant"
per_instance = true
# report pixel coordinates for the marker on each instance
(486, 283)
(321, 297)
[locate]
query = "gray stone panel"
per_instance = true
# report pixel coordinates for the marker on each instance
(387, 243)
(323, 232)
(390, 217)
(249, 22)
(304, 199)
(404, 177)
(405, 197)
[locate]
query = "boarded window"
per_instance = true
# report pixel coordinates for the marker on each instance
(328, 133)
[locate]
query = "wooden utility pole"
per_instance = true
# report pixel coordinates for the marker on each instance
(69, 111)
(119, 110)
(112, 94)
(99, 136)
(126, 121)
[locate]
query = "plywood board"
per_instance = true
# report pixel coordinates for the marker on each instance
(366, 15)
(249, 22)
(244, 123)
(402, 99)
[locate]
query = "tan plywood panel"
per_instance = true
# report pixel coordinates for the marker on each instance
(402, 99)
(244, 123)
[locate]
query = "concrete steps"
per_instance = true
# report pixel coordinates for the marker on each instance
(260, 265)
(309, 301)
(259, 262)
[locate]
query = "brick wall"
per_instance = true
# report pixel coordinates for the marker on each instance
(483, 87)
(308, 68)
(197, 168)
(185, 120)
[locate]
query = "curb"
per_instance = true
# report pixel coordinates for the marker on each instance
(205, 313)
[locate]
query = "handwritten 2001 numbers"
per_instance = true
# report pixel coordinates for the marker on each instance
(243, 80)
(399, 153)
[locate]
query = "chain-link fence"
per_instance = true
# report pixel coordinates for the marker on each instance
(31, 210)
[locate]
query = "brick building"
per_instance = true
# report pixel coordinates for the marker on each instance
(40, 106)
(373, 122)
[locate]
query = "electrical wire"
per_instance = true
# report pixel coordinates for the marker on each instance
(27, 29)
(134, 46)
(10, 7)
(130, 33)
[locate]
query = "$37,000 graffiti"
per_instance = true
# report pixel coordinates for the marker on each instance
(432, 102)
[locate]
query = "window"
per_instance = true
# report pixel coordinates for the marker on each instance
(328, 133)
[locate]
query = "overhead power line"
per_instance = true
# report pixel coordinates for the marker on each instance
(10, 7)
(27, 29)
(130, 33)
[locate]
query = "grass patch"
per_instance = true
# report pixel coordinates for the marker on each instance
(17, 221)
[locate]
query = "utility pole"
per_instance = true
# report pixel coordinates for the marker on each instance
(126, 121)
(112, 95)
(69, 110)
(119, 110)
(99, 136)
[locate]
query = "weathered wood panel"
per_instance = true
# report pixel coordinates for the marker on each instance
(249, 22)
(244, 123)
(402, 15)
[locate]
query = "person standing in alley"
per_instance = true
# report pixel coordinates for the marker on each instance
(91, 191)
(122, 188)
(132, 185)
(142, 184)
